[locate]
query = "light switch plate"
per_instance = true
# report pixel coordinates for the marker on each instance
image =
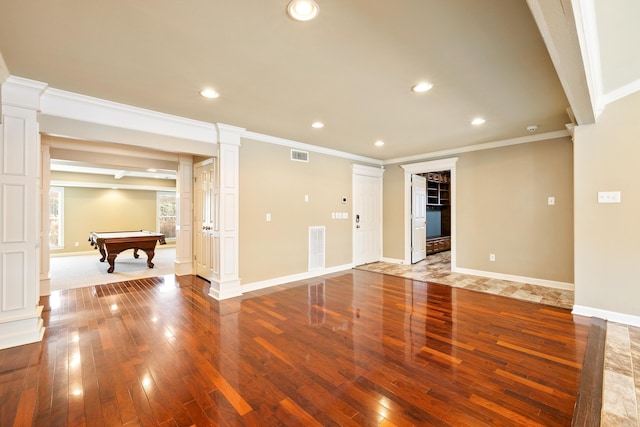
(609, 197)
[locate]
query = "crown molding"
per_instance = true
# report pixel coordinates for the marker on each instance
(69, 105)
(479, 147)
(586, 26)
(308, 147)
(621, 92)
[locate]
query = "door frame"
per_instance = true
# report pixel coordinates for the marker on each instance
(425, 167)
(372, 172)
(415, 256)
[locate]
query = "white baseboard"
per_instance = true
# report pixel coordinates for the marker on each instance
(393, 260)
(513, 278)
(610, 316)
(249, 287)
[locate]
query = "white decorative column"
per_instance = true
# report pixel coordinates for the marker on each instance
(225, 282)
(45, 252)
(184, 221)
(20, 315)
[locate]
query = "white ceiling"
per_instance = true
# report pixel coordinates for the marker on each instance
(351, 68)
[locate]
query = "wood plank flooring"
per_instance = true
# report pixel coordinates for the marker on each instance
(354, 348)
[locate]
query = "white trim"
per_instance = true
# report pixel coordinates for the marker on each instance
(479, 147)
(83, 184)
(308, 147)
(22, 93)
(424, 167)
(610, 316)
(375, 172)
(587, 29)
(393, 260)
(22, 330)
(226, 290)
(621, 92)
(250, 287)
(69, 105)
(513, 278)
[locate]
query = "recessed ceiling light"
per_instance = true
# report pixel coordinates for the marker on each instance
(209, 93)
(478, 121)
(317, 125)
(379, 143)
(421, 87)
(303, 10)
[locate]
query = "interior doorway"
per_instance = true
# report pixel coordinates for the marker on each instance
(438, 170)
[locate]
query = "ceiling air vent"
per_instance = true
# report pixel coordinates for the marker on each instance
(299, 156)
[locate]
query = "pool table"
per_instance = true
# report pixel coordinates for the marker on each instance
(111, 243)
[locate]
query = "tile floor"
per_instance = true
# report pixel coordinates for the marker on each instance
(621, 388)
(621, 377)
(437, 268)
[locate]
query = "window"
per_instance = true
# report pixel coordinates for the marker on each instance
(167, 214)
(56, 217)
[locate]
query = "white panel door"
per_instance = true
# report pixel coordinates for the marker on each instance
(367, 218)
(204, 221)
(418, 218)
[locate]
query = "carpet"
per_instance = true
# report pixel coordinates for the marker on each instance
(70, 272)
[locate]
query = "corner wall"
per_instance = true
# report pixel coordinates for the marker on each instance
(607, 236)
(502, 209)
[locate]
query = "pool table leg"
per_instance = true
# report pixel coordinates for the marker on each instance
(112, 261)
(150, 254)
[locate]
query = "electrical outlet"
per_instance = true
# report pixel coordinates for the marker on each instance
(492, 257)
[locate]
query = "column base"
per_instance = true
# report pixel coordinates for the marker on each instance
(45, 286)
(225, 290)
(22, 330)
(183, 268)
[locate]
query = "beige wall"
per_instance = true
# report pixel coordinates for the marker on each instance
(607, 242)
(502, 209)
(95, 209)
(99, 209)
(271, 183)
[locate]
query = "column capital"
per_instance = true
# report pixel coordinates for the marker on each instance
(22, 93)
(228, 134)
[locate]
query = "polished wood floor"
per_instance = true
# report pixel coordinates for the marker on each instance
(354, 348)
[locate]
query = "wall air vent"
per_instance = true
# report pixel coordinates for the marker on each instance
(316, 248)
(299, 156)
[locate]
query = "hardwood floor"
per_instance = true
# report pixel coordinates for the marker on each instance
(354, 348)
